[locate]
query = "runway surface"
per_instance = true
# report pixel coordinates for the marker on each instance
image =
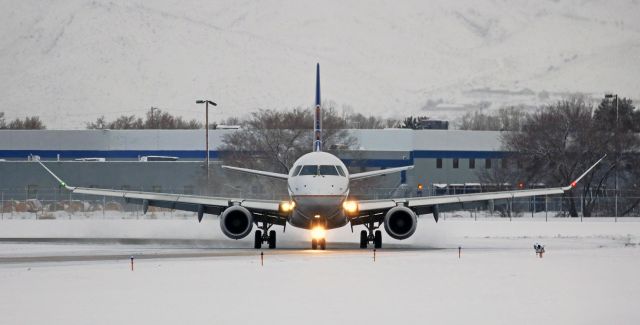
(112, 249)
(78, 272)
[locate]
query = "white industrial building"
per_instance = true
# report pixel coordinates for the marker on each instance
(112, 158)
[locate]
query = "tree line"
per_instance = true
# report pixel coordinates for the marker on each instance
(556, 143)
(28, 123)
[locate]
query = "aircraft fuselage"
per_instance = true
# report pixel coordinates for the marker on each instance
(318, 184)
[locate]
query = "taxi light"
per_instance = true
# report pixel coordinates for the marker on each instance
(318, 232)
(350, 207)
(287, 206)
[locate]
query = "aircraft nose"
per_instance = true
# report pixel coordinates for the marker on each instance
(318, 185)
(324, 206)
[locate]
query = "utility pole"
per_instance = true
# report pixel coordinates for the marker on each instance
(206, 128)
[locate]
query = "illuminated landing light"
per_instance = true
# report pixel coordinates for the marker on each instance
(318, 232)
(317, 216)
(287, 206)
(350, 207)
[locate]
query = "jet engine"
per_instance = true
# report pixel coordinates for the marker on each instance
(400, 222)
(236, 222)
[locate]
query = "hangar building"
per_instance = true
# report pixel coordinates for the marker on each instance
(441, 158)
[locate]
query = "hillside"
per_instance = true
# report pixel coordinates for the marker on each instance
(72, 61)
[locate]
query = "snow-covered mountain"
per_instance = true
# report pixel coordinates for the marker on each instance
(71, 61)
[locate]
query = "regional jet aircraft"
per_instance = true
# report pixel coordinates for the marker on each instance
(318, 186)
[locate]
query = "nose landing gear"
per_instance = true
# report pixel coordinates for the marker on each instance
(369, 236)
(262, 236)
(319, 243)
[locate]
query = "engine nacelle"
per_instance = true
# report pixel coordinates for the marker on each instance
(400, 222)
(236, 222)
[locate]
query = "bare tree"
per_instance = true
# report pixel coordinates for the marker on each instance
(29, 123)
(556, 144)
(272, 140)
(156, 120)
(504, 119)
(618, 124)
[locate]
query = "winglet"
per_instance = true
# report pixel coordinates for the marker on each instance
(574, 183)
(60, 181)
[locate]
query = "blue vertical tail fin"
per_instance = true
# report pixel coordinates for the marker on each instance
(317, 117)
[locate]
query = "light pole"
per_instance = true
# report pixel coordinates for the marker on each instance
(206, 102)
(617, 153)
(152, 119)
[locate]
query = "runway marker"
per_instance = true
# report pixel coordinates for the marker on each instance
(459, 251)
(261, 258)
(374, 254)
(131, 262)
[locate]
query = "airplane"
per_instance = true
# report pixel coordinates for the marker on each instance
(318, 187)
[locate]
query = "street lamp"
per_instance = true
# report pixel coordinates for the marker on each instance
(206, 127)
(152, 119)
(609, 96)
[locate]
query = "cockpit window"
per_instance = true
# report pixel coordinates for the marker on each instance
(328, 170)
(296, 171)
(309, 170)
(340, 171)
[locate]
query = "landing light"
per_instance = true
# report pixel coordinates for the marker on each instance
(350, 207)
(318, 232)
(287, 206)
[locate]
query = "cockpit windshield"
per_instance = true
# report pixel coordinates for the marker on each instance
(309, 170)
(322, 170)
(328, 170)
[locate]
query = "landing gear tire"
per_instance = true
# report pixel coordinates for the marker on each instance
(322, 243)
(272, 239)
(257, 240)
(364, 239)
(377, 240)
(314, 244)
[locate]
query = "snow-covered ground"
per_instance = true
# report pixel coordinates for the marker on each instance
(71, 62)
(588, 275)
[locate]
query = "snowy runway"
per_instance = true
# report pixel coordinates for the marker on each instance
(588, 276)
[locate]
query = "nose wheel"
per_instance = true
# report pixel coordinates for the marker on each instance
(371, 235)
(320, 243)
(261, 236)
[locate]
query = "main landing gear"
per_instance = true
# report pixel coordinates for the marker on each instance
(262, 237)
(369, 236)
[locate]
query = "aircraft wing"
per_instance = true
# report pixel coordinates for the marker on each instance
(258, 172)
(200, 204)
(379, 172)
(415, 202)
(423, 205)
